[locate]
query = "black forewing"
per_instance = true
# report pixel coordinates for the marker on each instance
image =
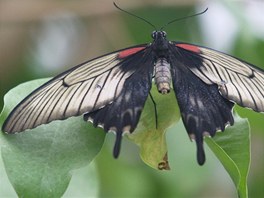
(84, 88)
(236, 79)
(123, 114)
(204, 111)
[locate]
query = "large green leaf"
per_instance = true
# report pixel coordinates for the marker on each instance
(38, 162)
(152, 140)
(232, 148)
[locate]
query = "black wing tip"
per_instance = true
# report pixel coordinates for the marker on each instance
(4, 126)
(201, 156)
(5, 129)
(200, 150)
(117, 145)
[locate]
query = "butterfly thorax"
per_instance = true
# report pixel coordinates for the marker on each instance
(162, 66)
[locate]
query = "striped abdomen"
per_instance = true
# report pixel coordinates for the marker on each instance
(162, 75)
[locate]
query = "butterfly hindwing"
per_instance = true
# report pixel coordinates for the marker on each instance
(207, 83)
(84, 88)
(123, 114)
(203, 110)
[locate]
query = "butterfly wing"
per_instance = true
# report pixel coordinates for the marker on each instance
(123, 114)
(206, 84)
(82, 89)
(237, 80)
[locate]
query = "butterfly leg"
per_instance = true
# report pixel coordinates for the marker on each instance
(155, 110)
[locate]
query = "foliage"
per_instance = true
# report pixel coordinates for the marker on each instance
(39, 161)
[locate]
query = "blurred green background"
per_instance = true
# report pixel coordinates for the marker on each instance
(43, 38)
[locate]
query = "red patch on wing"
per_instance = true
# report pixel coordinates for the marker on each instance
(129, 52)
(192, 48)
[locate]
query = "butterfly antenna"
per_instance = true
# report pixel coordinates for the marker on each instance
(134, 15)
(186, 17)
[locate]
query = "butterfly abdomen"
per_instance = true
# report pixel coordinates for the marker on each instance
(162, 75)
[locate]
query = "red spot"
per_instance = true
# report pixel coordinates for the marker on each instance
(129, 52)
(192, 48)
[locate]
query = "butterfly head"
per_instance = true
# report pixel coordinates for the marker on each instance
(158, 35)
(160, 43)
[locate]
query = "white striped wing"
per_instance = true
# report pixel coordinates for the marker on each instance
(82, 89)
(237, 80)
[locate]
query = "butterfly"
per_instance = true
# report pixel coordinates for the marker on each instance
(110, 91)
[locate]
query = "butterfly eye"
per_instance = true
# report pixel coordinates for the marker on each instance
(164, 34)
(154, 34)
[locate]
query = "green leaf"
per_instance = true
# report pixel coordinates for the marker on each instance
(232, 148)
(151, 140)
(38, 162)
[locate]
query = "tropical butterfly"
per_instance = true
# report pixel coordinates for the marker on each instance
(111, 90)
